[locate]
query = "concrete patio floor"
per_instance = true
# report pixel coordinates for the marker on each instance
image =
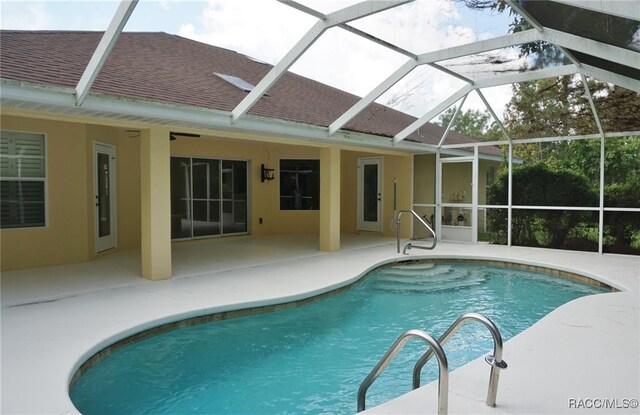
(54, 318)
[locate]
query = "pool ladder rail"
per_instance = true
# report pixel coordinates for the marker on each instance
(410, 245)
(495, 361)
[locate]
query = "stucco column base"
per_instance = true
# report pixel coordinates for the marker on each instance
(155, 215)
(330, 199)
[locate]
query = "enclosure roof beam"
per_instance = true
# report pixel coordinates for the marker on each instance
(485, 83)
(526, 76)
(592, 104)
(499, 42)
(612, 77)
(452, 99)
(453, 121)
(354, 12)
(430, 58)
(104, 48)
(624, 9)
(534, 22)
(493, 114)
(592, 47)
(542, 140)
(382, 87)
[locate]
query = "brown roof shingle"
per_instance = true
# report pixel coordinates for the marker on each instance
(168, 68)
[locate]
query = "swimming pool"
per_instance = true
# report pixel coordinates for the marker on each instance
(313, 358)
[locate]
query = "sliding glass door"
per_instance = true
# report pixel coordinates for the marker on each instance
(208, 197)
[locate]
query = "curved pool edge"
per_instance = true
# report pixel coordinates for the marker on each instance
(542, 378)
(147, 326)
(170, 322)
(43, 343)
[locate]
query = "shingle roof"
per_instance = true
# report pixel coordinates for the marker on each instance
(168, 68)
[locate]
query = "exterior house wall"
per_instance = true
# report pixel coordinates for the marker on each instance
(264, 199)
(127, 182)
(485, 165)
(70, 232)
(65, 238)
(395, 167)
(424, 180)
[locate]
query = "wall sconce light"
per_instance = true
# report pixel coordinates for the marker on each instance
(266, 174)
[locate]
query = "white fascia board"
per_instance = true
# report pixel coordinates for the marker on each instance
(62, 100)
(431, 114)
(104, 48)
(345, 15)
(372, 96)
(614, 78)
(592, 47)
(628, 9)
(500, 42)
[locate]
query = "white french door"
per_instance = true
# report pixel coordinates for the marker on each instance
(104, 168)
(369, 200)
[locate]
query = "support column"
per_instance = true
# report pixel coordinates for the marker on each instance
(330, 199)
(155, 201)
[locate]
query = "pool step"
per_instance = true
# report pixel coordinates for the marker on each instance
(422, 272)
(413, 266)
(419, 281)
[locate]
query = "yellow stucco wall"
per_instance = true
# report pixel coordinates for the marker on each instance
(456, 177)
(70, 235)
(66, 237)
(264, 196)
(394, 167)
(424, 180)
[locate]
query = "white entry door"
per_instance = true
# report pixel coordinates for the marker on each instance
(369, 201)
(104, 162)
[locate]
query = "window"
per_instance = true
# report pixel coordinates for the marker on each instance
(208, 197)
(299, 184)
(22, 180)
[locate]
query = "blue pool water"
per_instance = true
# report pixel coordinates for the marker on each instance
(311, 359)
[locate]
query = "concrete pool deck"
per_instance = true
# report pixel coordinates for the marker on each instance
(584, 353)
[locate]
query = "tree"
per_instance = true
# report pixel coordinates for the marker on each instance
(539, 185)
(473, 123)
(614, 30)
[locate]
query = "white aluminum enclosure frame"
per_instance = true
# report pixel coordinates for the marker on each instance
(105, 46)
(562, 40)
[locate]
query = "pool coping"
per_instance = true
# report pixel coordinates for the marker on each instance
(55, 403)
(285, 303)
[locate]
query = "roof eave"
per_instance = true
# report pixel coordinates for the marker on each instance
(55, 99)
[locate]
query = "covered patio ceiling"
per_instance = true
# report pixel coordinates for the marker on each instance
(574, 28)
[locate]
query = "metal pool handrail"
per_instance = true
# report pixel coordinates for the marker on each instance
(494, 360)
(410, 245)
(443, 383)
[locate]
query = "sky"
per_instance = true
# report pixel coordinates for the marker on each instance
(267, 29)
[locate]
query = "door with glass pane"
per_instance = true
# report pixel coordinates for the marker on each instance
(208, 197)
(458, 222)
(369, 200)
(104, 163)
